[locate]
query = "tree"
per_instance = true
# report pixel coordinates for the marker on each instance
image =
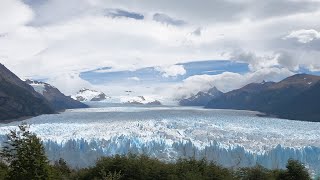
(60, 170)
(296, 171)
(3, 170)
(25, 155)
(252, 173)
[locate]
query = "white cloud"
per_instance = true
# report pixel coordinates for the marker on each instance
(13, 14)
(228, 81)
(304, 35)
(134, 78)
(63, 37)
(255, 62)
(171, 70)
(69, 83)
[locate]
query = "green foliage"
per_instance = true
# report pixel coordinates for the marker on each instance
(200, 169)
(143, 167)
(110, 176)
(3, 171)
(257, 172)
(130, 167)
(295, 171)
(60, 170)
(25, 155)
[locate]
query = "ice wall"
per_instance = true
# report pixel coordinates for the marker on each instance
(83, 153)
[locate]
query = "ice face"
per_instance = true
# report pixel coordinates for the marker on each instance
(230, 138)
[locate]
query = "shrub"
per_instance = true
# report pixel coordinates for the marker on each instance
(25, 155)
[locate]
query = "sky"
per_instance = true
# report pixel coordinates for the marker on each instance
(165, 48)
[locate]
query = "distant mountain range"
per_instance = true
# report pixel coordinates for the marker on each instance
(296, 97)
(201, 98)
(141, 100)
(18, 99)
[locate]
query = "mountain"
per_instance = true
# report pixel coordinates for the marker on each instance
(284, 99)
(201, 98)
(56, 99)
(243, 98)
(90, 95)
(305, 105)
(18, 99)
(140, 100)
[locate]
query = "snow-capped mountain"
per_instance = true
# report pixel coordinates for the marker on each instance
(201, 98)
(56, 99)
(90, 95)
(140, 100)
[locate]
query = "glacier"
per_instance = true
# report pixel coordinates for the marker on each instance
(228, 137)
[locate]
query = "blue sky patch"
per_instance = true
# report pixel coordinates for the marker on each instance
(151, 75)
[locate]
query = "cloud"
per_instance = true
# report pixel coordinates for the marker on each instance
(122, 13)
(197, 32)
(217, 11)
(48, 12)
(287, 59)
(255, 62)
(69, 83)
(171, 70)
(165, 19)
(57, 37)
(134, 78)
(13, 14)
(304, 35)
(228, 81)
(280, 8)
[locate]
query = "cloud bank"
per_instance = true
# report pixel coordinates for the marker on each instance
(58, 39)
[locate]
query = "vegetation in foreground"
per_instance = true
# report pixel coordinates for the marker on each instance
(23, 157)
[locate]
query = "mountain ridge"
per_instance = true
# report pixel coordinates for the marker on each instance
(274, 98)
(201, 98)
(57, 99)
(18, 99)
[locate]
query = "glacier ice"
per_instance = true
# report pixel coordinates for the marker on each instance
(230, 138)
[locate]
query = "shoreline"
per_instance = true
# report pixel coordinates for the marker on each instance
(8, 121)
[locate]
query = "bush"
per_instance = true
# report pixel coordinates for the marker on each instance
(257, 172)
(25, 155)
(60, 170)
(295, 171)
(3, 170)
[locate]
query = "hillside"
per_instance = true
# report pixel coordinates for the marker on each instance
(201, 98)
(18, 99)
(286, 98)
(57, 100)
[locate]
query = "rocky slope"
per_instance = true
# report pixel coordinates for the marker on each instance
(56, 99)
(18, 99)
(294, 97)
(201, 98)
